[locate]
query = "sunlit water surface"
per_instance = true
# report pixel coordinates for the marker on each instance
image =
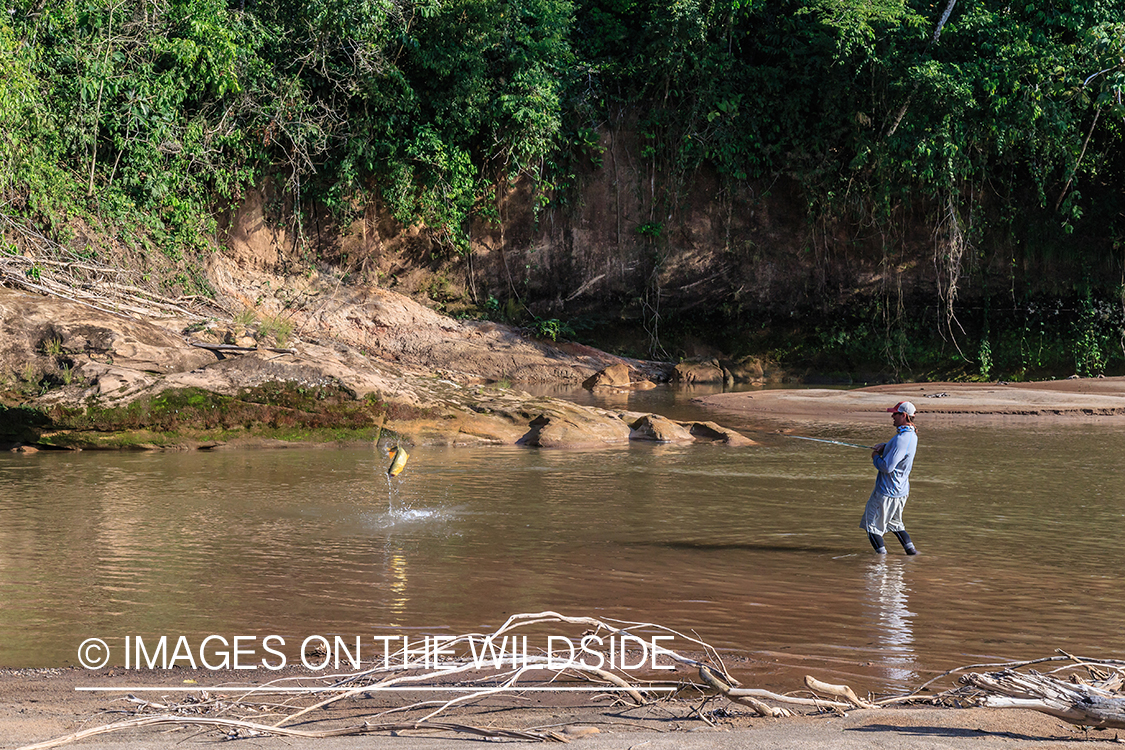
(757, 549)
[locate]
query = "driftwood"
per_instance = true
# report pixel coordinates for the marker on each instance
(57, 279)
(451, 671)
(538, 663)
(465, 673)
(740, 695)
(1082, 703)
(254, 729)
(754, 697)
(1081, 691)
(840, 691)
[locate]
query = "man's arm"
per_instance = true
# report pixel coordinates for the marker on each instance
(887, 459)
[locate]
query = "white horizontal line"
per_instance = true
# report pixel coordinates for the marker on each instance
(372, 689)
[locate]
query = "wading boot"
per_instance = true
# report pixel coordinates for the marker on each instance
(906, 543)
(877, 543)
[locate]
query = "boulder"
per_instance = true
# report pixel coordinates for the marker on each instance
(614, 376)
(460, 427)
(660, 429)
(111, 360)
(571, 426)
(747, 370)
(617, 378)
(716, 433)
(396, 329)
(112, 382)
(699, 373)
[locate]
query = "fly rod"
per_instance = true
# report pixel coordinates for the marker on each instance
(834, 442)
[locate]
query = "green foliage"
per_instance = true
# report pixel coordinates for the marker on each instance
(52, 347)
(156, 114)
(1097, 329)
(859, 103)
(552, 328)
(245, 317)
(1035, 338)
(277, 328)
(1007, 128)
(984, 354)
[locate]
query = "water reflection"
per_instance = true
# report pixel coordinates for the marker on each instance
(396, 575)
(886, 605)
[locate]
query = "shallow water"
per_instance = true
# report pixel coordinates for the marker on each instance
(756, 549)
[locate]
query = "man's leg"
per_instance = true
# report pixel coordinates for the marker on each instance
(877, 543)
(894, 524)
(906, 543)
(874, 522)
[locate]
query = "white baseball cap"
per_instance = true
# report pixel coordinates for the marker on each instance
(904, 407)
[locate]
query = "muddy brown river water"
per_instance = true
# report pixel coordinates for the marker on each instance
(757, 549)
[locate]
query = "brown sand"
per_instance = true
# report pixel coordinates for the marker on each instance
(1094, 399)
(38, 705)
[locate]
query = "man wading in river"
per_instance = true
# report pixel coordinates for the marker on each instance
(893, 459)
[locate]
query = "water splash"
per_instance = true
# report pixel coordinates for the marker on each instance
(392, 493)
(401, 518)
(399, 510)
(416, 514)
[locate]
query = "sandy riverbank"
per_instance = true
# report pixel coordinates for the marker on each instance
(1062, 400)
(40, 705)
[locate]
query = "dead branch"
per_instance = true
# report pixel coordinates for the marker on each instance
(1078, 703)
(48, 268)
(254, 729)
(1087, 695)
(513, 623)
(840, 691)
(741, 695)
(913, 694)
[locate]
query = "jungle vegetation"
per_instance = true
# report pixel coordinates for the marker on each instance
(1005, 119)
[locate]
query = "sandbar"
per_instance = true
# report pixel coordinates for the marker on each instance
(1091, 399)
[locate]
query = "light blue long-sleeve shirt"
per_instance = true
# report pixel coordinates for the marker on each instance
(894, 463)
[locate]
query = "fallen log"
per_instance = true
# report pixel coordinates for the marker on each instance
(1079, 703)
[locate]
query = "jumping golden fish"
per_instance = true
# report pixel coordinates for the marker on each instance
(398, 463)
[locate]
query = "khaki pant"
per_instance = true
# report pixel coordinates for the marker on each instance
(883, 514)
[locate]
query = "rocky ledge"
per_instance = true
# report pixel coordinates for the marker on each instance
(83, 377)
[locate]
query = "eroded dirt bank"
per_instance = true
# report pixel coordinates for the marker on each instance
(357, 362)
(88, 377)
